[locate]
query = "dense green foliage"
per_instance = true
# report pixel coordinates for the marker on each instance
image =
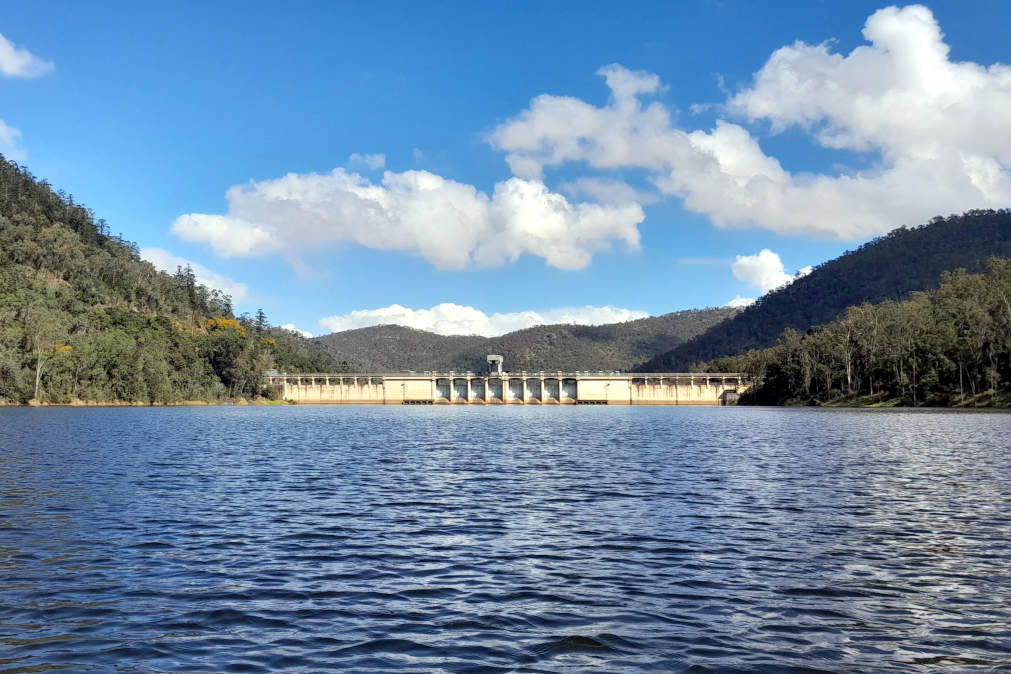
(947, 346)
(887, 268)
(617, 346)
(82, 317)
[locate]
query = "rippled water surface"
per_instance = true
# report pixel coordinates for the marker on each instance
(504, 539)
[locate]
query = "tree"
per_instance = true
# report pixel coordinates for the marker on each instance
(45, 331)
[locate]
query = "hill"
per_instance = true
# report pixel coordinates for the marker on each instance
(395, 348)
(945, 347)
(618, 346)
(888, 268)
(82, 317)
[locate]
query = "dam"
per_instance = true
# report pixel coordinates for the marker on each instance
(497, 387)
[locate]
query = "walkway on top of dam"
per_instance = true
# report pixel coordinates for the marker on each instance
(286, 377)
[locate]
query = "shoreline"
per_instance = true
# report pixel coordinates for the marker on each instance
(982, 401)
(227, 402)
(241, 402)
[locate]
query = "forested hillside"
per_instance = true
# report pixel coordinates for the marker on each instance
(887, 268)
(82, 317)
(396, 348)
(617, 346)
(949, 346)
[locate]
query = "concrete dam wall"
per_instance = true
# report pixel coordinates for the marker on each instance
(552, 388)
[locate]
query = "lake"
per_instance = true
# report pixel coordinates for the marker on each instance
(675, 539)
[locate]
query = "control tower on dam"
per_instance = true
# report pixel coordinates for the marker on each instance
(498, 387)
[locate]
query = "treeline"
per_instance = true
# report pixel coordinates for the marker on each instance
(890, 267)
(949, 346)
(82, 317)
(615, 346)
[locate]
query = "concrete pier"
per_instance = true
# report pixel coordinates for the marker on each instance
(511, 388)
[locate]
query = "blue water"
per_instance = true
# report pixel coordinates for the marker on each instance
(504, 539)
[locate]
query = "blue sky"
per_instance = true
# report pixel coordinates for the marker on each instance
(474, 167)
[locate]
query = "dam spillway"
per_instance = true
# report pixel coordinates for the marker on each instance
(511, 388)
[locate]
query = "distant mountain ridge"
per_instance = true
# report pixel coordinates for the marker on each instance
(888, 268)
(616, 346)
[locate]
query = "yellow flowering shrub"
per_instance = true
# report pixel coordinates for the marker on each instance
(222, 324)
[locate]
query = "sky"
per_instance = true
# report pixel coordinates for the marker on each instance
(475, 168)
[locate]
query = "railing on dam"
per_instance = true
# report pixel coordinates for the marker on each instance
(276, 378)
(541, 387)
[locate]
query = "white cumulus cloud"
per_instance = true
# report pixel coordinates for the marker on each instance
(167, 262)
(454, 319)
(452, 225)
(558, 129)
(10, 143)
(763, 270)
(369, 161)
(16, 62)
(939, 128)
(741, 302)
(290, 327)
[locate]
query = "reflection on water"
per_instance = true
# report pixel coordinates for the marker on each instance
(502, 539)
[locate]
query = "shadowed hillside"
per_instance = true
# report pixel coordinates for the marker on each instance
(395, 348)
(887, 268)
(618, 346)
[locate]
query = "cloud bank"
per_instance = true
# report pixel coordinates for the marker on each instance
(940, 129)
(167, 262)
(454, 319)
(452, 225)
(16, 62)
